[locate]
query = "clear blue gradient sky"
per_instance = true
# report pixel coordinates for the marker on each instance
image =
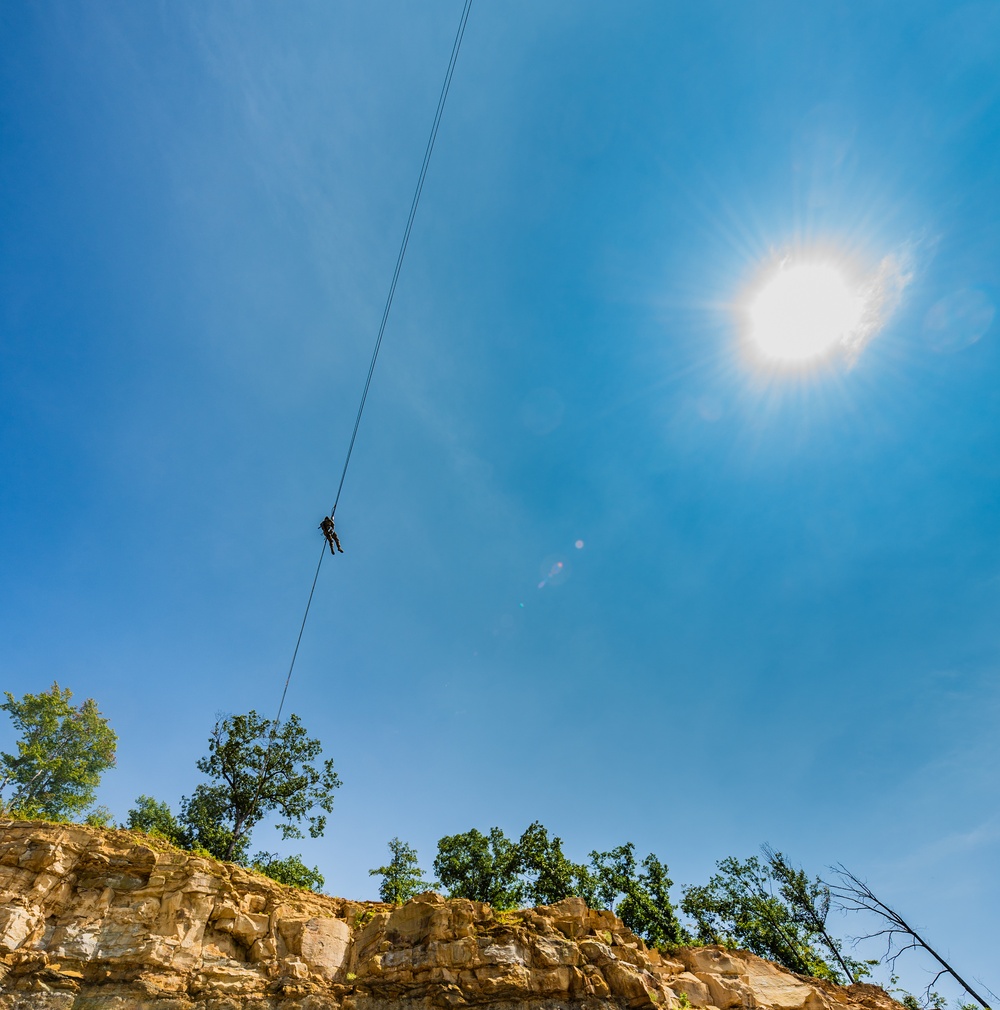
(782, 625)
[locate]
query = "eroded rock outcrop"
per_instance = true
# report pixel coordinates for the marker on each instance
(110, 920)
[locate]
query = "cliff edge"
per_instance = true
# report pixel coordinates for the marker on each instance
(93, 919)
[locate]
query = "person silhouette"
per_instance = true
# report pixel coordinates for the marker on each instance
(331, 535)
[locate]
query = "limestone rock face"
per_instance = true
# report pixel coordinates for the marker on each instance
(92, 919)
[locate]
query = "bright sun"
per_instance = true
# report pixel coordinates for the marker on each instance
(802, 311)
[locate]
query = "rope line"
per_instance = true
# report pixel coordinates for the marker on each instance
(445, 88)
(442, 98)
(298, 641)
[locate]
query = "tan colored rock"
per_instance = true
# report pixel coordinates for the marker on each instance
(569, 916)
(688, 984)
(597, 986)
(295, 968)
(628, 984)
(504, 954)
(323, 945)
(596, 952)
(551, 952)
(550, 981)
(16, 925)
(727, 991)
(716, 960)
(781, 990)
(632, 954)
(454, 953)
(506, 981)
(92, 919)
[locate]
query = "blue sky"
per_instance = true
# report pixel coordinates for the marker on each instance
(781, 625)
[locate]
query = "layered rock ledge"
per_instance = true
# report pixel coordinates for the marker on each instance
(92, 919)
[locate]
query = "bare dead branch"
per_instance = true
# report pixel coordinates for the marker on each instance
(854, 895)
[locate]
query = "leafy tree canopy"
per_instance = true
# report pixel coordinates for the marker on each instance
(550, 875)
(207, 822)
(401, 876)
(62, 752)
(640, 899)
(482, 868)
(769, 908)
(258, 768)
(290, 870)
(535, 869)
(100, 817)
(808, 900)
(156, 818)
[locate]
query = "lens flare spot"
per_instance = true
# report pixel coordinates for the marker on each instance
(554, 572)
(579, 545)
(959, 320)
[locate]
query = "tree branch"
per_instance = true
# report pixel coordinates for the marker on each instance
(854, 894)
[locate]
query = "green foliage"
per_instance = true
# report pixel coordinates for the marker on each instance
(156, 818)
(535, 869)
(290, 870)
(401, 877)
(808, 902)
(100, 817)
(207, 821)
(257, 768)
(640, 899)
(931, 1001)
(62, 752)
(482, 868)
(767, 908)
(551, 876)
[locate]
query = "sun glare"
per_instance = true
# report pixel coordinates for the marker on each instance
(802, 311)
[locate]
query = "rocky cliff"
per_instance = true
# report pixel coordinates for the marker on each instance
(95, 919)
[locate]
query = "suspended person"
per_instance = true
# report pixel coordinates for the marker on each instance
(331, 535)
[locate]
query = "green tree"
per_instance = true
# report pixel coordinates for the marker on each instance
(535, 869)
(743, 906)
(482, 868)
(808, 901)
(156, 818)
(551, 876)
(290, 870)
(401, 877)
(207, 823)
(640, 899)
(258, 768)
(100, 817)
(62, 752)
